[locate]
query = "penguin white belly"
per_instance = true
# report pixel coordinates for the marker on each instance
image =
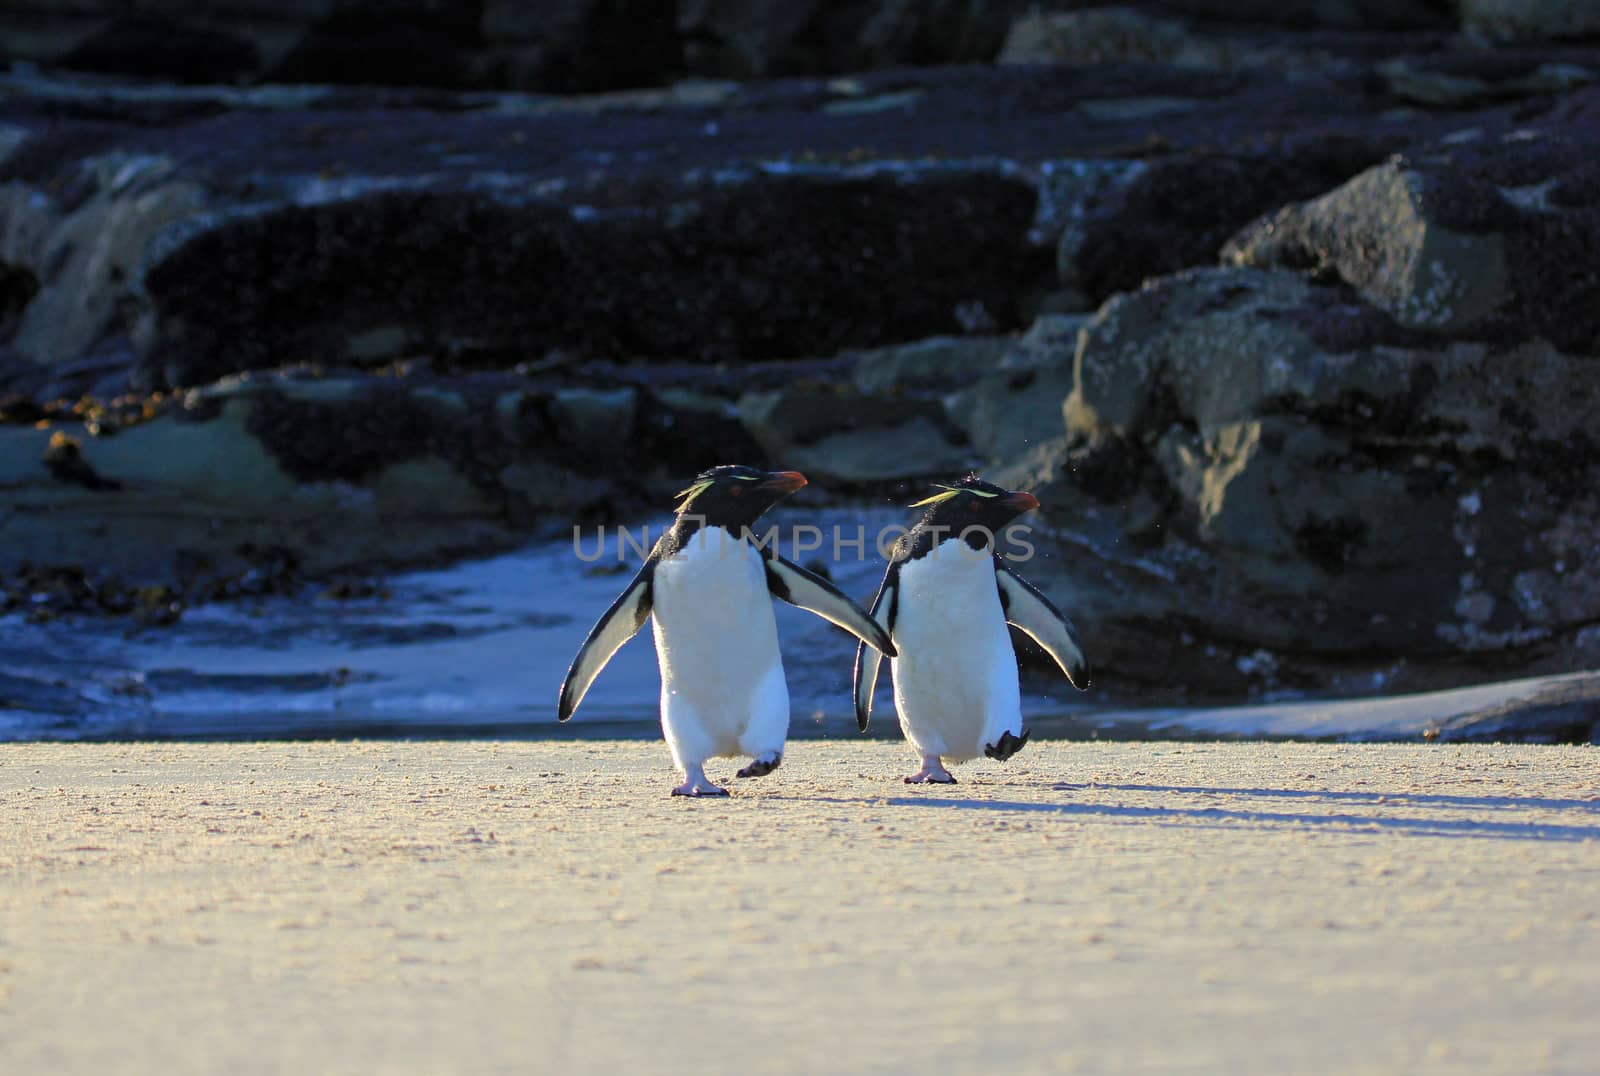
(955, 679)
(722, 685)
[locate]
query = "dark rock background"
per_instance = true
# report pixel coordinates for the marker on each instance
(1288, 311)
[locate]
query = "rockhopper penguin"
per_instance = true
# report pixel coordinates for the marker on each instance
(946, 600)
(709, 590)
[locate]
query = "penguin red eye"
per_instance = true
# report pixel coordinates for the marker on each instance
(736, 491)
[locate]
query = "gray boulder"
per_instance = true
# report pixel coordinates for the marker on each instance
(594, 422)
(1375, 233)
(1531, 18)
(834, 432)
(1133, 220)
(84, 253)
(1325, 495)
(937, 364)
(1104, 35)
(730, 38)
(1017, 406)
(1491, 238)
(1149, 35)
(1467, 78)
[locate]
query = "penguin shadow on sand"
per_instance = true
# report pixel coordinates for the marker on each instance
(707, 589)
(1414, 822)
(945, 600)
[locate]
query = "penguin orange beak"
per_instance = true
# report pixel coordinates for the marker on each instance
(784, 481)
(1022, 502)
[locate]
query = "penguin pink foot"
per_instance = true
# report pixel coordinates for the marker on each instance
(932, 773)
(690, 788)
(696, 783)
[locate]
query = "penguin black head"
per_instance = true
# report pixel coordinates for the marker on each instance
(734, 496)
(973, 503)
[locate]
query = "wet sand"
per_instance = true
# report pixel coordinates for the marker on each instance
(535, 907)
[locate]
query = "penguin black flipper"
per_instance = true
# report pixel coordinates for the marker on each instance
(1036, 615)
(867, 665)
(793, 584)
(616, 626)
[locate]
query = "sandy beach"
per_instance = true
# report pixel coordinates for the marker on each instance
(537, 907)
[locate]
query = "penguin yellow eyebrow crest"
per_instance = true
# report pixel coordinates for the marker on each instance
(685, 496)
(937, 497)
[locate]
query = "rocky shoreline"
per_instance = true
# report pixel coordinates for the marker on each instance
(1294, 329)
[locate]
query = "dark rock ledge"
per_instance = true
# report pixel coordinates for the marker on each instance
(1293, 331)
